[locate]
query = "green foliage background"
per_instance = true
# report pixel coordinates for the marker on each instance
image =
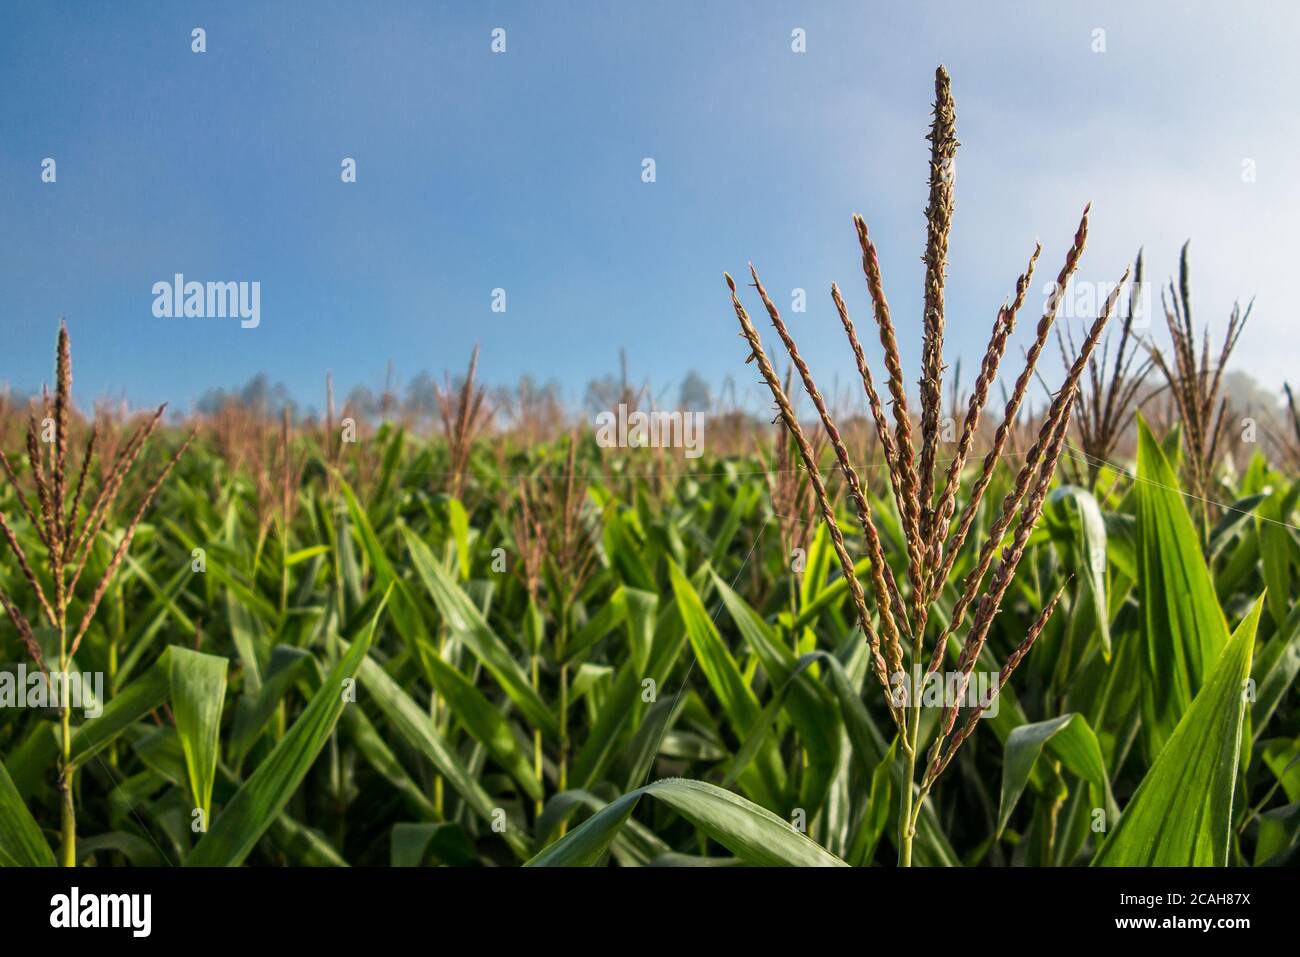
(373, 684)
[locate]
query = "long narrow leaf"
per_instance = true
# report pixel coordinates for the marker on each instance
(752, 833)
(1181, 814)
(255, 806)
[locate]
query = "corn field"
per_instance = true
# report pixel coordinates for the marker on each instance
(467, 650)
(492, 640)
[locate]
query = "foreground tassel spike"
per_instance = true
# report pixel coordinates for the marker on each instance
(938, 218)
(883, 596)
(68, 545)
(819, 487)
(901, 657)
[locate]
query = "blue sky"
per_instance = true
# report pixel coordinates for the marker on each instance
(523, 171)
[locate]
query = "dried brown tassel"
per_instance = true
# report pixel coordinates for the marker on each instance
(937, 767)
(62, 405)
(1012, 406)
(45, 527)
(22, 498)
(120, 553)
(909, 507)
(108, 492)
(71, 519)
(938, 218)
(883, 435)
(1002, 328)
(884, 598)
(24, 629)
(992, 600)
(814, 476)
(1057, 412)
(17, 549)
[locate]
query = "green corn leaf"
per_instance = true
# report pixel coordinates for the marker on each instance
(139, 851)
(739, 705)
(1276, 669)
(1091, 549)
(21, 841)
(881, 801)
(467, 623)
(415, 725)
(758, 733)
(411, 845)
(1071, 741)
(30, 759)
(125, 708)
(302, 844)
(303, 554)
(459, 521)
(244, 635)
(258, 706)
(218, 569)
(198, 690)
(626, 551)
(612, 614)
(375, 750)
(261, 798)
(810, 706)
(1279, 834)
(837, 590)
(644, 746)
(635, 845)
(1181, 814)
(1183, 625)
(1278, 550)
(640, 621)
(625, 705)
(817, 565)
(404, 611)
(752, 833)
(482, 719)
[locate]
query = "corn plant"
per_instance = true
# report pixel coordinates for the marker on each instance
(899, 647)
(482, 640)
(1194, 382)
(67, 523)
